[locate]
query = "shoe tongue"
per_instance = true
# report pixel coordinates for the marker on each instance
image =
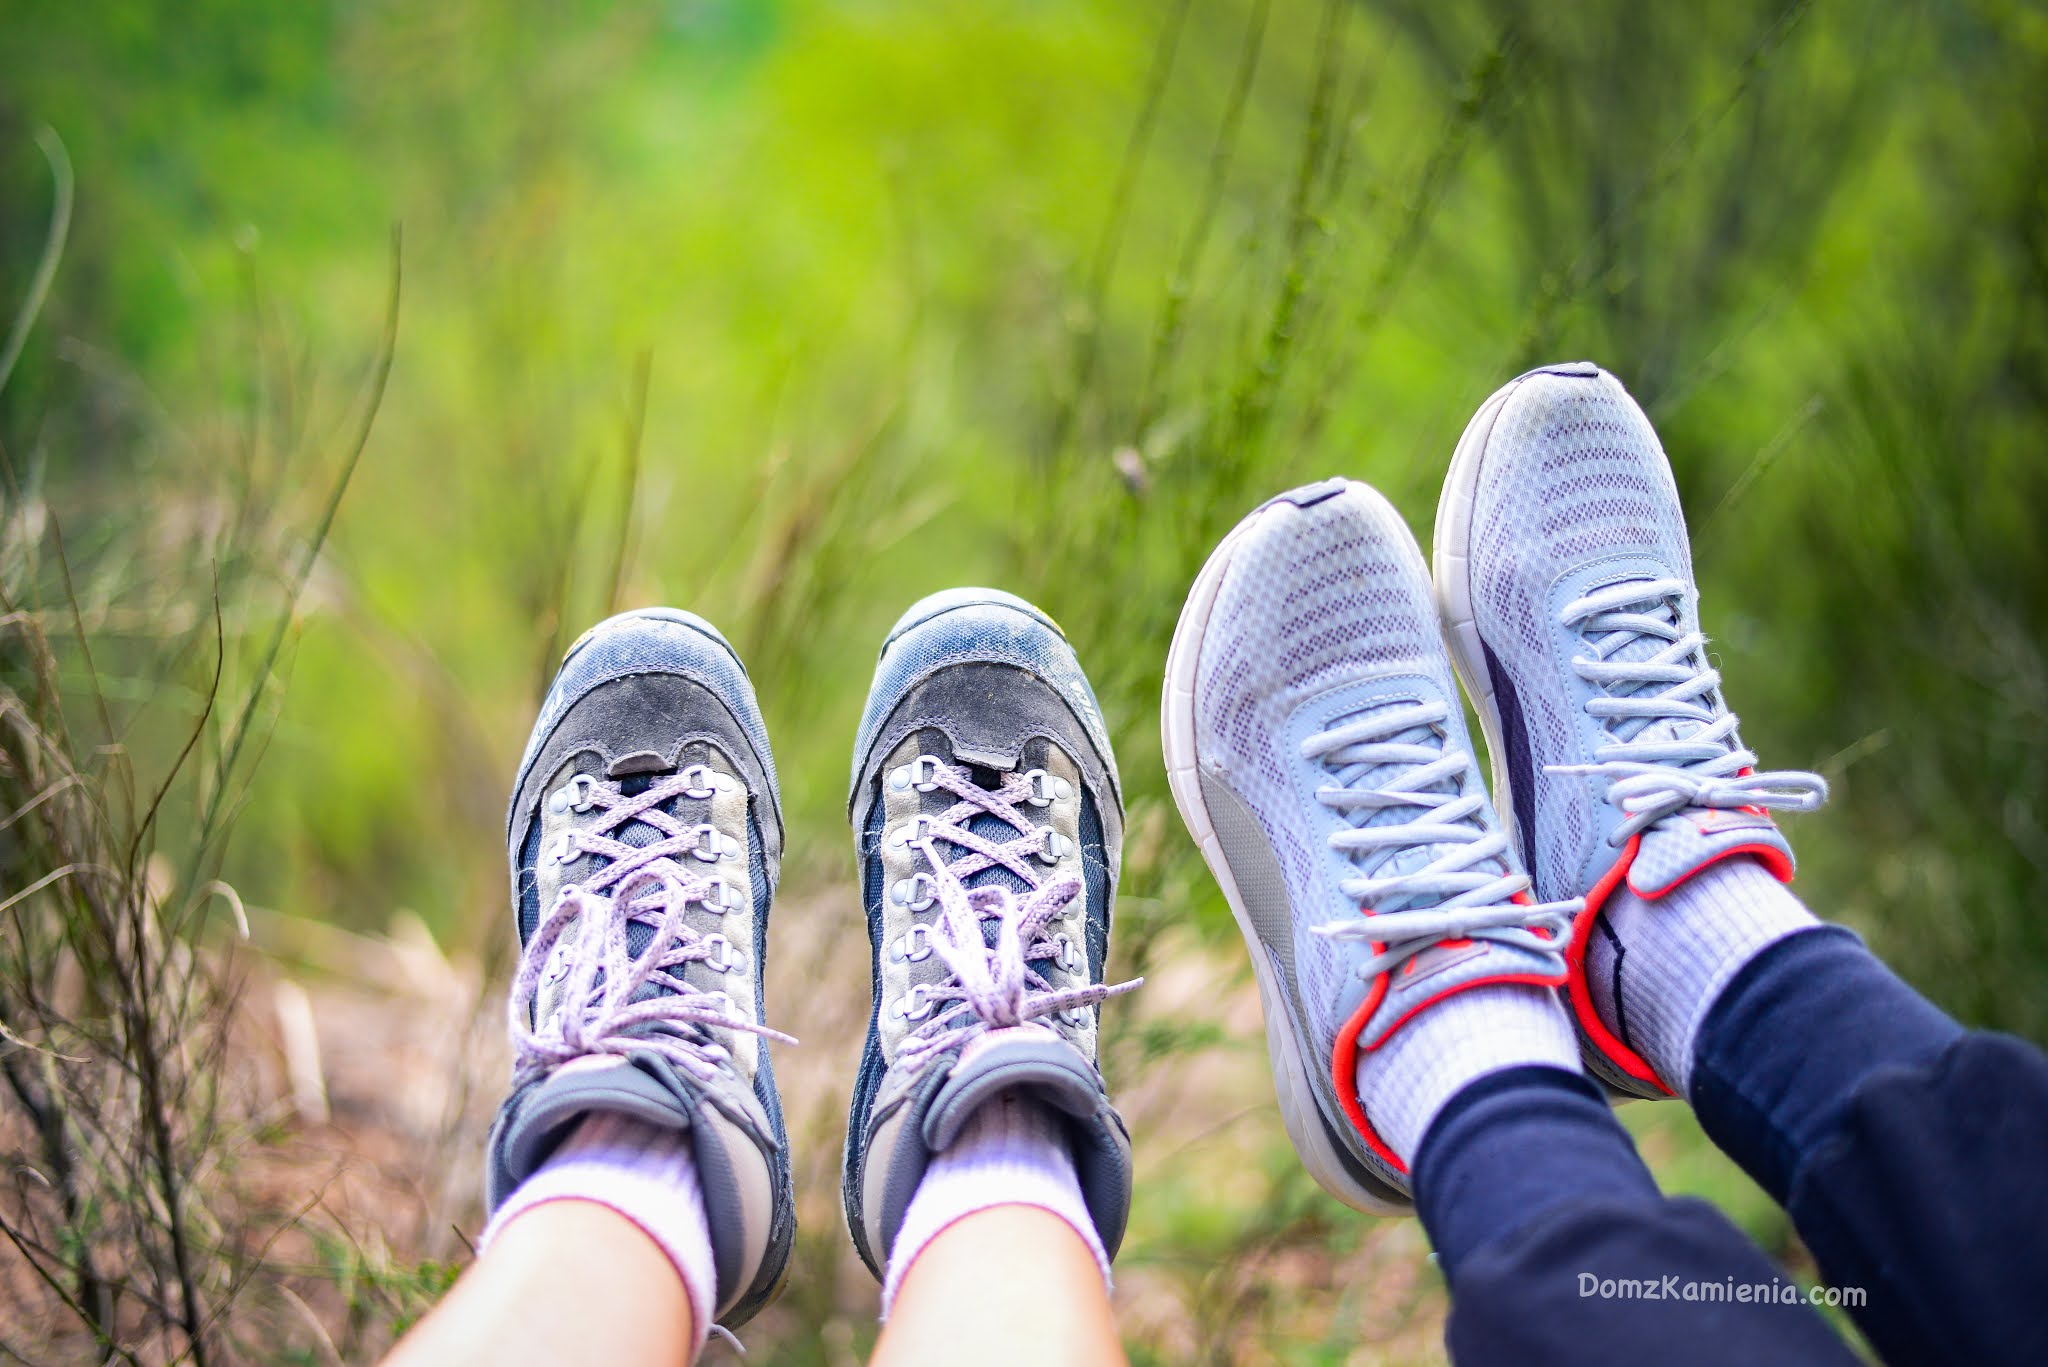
(1449, 968)
(1029, 1058)
(989, 827)
(1682, 844)
(638, 834)
(1636, 650)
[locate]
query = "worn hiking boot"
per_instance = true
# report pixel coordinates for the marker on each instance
(645, 837)
(1564, 577)
(1316, 748)
(989, 829)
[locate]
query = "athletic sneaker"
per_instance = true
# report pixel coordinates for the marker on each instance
(989, 829)
(645, 837)
(1564, 576)
(1316, 748)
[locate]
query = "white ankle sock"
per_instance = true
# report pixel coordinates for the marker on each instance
(645, 1174)
(1009, 1153)
(1406, 1081)
(1677, 952)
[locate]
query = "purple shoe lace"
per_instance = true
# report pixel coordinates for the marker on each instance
(646, 885)
(992, 986)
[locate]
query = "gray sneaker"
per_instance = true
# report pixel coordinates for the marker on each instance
(645, 838)
(1564, 575)
(989, 831)
(1316, 748)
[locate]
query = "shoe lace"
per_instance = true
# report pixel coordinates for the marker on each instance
(992, 981)
(1398, 760)
(1674, 743)
(614, 1000)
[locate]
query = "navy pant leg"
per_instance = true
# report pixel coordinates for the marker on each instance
(1559, 1248)
(1912, 1155)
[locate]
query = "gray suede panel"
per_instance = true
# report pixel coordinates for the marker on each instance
(658, 712)
(906, 1161)
(1261, 886)
(989, 711)
(1262, 892)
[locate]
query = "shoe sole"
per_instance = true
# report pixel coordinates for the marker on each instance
(1451, 574)
(1299, 1111)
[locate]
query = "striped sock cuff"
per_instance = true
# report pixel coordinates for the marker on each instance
(641, 1172)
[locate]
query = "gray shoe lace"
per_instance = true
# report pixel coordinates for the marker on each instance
(602, 977)
(1402, 758)
(1649, 670)
(991, 985)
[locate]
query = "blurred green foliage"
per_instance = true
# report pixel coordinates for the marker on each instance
(791, 312)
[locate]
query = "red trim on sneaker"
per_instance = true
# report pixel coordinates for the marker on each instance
(1597, 1035)
(1344, 1069)
(1344, 1056)
(1602, 1040)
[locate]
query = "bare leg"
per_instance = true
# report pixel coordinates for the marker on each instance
(982, 1291)
(568, 1281)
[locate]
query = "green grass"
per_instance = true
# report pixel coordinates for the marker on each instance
(792, 312)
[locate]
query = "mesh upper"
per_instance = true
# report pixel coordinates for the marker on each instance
(1572, 475)
(1313, 597)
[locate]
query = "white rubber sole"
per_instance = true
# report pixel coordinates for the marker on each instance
(1292, 1088)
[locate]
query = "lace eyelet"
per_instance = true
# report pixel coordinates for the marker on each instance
(921, 774)
(914, 946)
(720, 897)
(726, 960)
(1045, 788)
(914, 893)
(564, 850)
(1054, 847)
(916, 829)
(573, 796)
(1070, 953)
(703, 782)
(712, 845)
(905, 1009)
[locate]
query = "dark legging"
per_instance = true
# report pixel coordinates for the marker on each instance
(1912, 1156)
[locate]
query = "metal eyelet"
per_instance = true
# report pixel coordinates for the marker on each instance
(703, 782)
(565, 851)
(1077, 1016)
(914, 893)
(923, 1007)
(914, 946)
(720, 897)
(727, 959)
(573, 796)
(1070, 953)
(1054, 847)
(921, 773)
(916, 829)
(712, 845)
(1046, 789)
